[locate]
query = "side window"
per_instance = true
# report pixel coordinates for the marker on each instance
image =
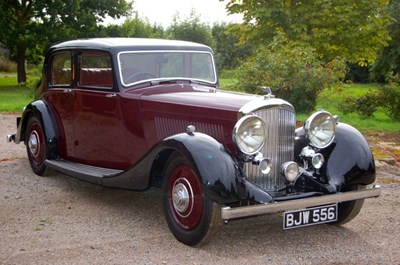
(95, 70)
(61, 69)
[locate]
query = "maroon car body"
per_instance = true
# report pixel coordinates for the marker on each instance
(132, 113)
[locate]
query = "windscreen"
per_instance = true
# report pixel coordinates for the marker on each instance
(138, 67)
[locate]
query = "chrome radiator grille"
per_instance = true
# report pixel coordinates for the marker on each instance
(278, 147)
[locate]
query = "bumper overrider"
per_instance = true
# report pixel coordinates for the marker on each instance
(228, 213)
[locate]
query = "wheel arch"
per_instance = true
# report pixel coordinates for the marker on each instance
(40, 110)
(213, 163)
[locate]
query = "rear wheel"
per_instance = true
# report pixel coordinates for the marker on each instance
(348, 210)
(36, 146)
(191, 216)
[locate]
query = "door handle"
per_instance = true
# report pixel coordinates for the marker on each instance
(67, 91)
(112, 95)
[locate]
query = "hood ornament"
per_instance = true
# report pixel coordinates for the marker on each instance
(267, 91)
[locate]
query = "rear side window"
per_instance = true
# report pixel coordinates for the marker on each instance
(61, 69)
(95, 70)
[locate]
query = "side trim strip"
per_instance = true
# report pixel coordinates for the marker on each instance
(228, 213)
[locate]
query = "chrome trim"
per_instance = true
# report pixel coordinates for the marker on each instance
(307, 128)
(34, 143)
(262, 103)
(212, 64)
(279, 144)
(238, 129)
(228, 213)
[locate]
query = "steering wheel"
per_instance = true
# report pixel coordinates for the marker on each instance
(142, 75)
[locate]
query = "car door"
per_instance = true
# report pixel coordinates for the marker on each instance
(98, 127)
(59, 98)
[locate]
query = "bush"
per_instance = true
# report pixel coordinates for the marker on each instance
(364, 106)
(7, 66)
(293, 72)
(390, 100)
(387, 98)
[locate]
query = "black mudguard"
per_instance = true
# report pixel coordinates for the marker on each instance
(222, 178)
(40, 110)
(349, 160)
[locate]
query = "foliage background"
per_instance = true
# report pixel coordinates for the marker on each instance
(298, 48)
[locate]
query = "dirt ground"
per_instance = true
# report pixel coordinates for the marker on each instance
(60, 220)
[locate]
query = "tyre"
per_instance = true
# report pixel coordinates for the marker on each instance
(348, 210)
(191, 216)
(36, 146)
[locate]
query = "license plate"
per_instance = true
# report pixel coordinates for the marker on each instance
(310, 216)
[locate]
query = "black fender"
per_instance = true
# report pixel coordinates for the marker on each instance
(222, 177)
(40, 110)
(349, 159)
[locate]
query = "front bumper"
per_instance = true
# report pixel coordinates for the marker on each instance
(228, 213)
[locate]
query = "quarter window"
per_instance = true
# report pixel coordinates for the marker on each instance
(95, 70)
(61, 69)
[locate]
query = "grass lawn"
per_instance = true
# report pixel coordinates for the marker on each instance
(13, 97)
(329, 99)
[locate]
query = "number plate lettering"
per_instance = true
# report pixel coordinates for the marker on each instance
(310, 216)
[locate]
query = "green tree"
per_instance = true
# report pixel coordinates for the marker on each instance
(351, 29)
(133, 27)
(190, 29)
(229, 53)
(388, 62)
(292, 70)
(25, 24)
(139, 28)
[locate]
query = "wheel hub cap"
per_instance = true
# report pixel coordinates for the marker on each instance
(33, 143)
(181, 197)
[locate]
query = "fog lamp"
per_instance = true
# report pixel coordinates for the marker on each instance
(290, 170)
(317, 160)
(265, 166)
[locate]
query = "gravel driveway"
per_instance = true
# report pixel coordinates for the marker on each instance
(60, 220)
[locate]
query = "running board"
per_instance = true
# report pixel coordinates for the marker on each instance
(85, 172)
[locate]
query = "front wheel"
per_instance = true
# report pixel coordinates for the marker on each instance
(36, 146)
(191, 216)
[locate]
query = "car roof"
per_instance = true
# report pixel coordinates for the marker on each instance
(132, 44)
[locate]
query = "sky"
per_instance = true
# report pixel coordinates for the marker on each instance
(163, 11)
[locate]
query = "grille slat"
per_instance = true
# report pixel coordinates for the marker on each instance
(278, 147)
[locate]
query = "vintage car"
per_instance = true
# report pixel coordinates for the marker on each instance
(135, 113)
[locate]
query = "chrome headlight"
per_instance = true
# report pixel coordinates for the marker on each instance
(290, 170)
(249, 134)
(320, 129)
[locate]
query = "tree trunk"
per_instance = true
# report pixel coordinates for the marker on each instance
(21, 71)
